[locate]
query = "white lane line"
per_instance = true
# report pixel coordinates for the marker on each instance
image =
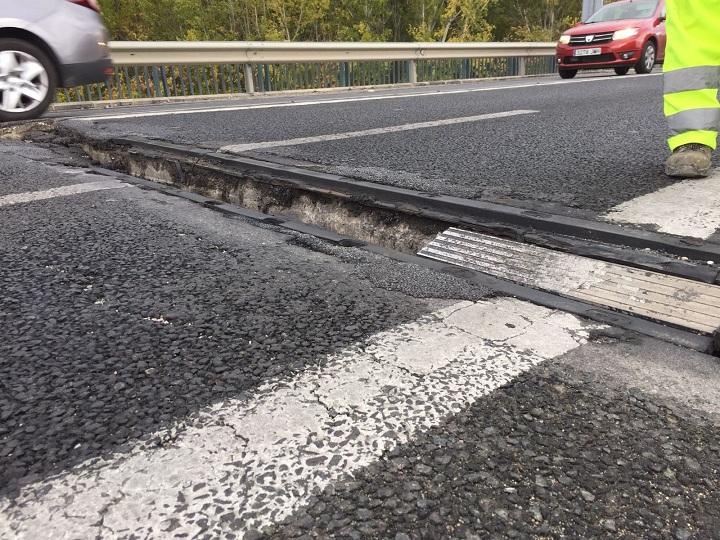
(175, 112)
(238, 148)
(687, 208)
(64, 191)
(247, 464)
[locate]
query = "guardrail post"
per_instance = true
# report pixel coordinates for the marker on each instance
(163, 74)
(465, 68)
(267, 84)
(249, 82)
(157, 89)
(412, 71)
(522, 66)
(345, 74)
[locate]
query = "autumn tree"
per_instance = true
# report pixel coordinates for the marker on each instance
(340, 20)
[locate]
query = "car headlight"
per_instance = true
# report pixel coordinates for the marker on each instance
(625, 33)
(564, 39)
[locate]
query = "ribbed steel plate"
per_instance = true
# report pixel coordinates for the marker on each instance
(678, 301)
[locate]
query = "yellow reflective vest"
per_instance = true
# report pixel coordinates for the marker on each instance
(692, 72)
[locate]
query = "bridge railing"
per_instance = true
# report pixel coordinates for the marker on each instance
(177, 69)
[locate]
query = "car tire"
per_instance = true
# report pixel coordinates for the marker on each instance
(647, 59)
(568, 73)
(28, 80)
(622, 70)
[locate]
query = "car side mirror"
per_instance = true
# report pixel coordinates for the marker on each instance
(661, 19)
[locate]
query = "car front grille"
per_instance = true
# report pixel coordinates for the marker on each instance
(589, 59)
(591, 39)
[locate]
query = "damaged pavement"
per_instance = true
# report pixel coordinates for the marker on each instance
(169, 369)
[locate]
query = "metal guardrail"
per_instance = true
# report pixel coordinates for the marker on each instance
(129, 53)
(180, 68)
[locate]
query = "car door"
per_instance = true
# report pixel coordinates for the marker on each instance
(660, 31)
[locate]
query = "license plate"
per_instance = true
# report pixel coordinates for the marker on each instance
(587, 52)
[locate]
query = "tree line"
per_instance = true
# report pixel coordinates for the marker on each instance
(340, 20)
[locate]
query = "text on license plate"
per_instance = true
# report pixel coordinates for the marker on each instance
(587, 52)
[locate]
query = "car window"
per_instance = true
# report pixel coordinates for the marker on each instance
(625, 10)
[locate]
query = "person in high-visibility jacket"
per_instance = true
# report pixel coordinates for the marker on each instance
(692, 80)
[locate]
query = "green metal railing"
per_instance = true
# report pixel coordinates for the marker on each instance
(178, 69)
(133, 82)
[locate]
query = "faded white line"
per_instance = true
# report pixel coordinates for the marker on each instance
(171, 112)
(64, 191)
(247, 464)
(687, 208)
(238, 148)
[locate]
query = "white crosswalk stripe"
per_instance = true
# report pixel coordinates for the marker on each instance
(248, 463)
(687, 208)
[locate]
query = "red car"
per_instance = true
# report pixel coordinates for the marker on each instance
(625, 34)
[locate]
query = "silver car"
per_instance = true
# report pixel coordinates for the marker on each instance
(46, 44)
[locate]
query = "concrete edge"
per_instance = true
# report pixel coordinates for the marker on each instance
(462, 212)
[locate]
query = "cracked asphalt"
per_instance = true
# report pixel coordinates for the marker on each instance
(161, 316)
(167, 371)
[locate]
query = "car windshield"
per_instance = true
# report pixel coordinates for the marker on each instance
(625, 10)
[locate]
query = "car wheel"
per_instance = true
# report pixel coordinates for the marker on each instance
(647, 59)
(27, 80)
(568, 73)
(622, 70)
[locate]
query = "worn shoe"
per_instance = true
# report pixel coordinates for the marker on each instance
(689, 161)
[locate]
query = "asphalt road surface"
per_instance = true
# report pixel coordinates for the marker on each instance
(593, 143)
(170, 371)
(589, 147)
(167, 371)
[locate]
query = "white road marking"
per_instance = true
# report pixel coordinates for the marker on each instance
(175, 112)
(687, 208)
(64, 191)
(660, 297)
(246, 464)
(238, 148)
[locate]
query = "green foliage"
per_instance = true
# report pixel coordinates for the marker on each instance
(465, 20)
(340, 20)
(533, 20)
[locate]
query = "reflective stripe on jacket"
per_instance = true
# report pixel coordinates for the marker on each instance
(692, 72)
